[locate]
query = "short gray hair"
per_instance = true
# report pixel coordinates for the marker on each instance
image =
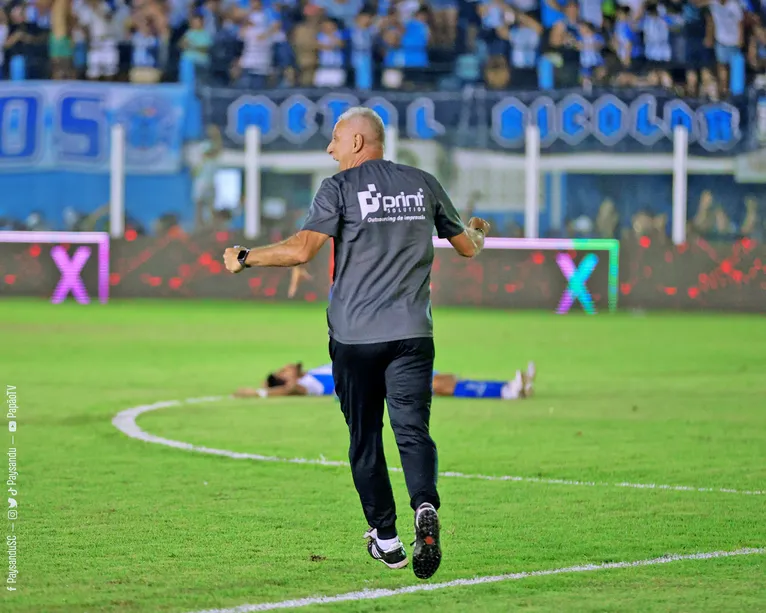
(375, 121)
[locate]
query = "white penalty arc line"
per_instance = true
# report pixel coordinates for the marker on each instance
(429, 587)
(125, 422)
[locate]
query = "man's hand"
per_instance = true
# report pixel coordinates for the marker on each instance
(230, 259)
(470, 242)
(297, 275)
(477, 223)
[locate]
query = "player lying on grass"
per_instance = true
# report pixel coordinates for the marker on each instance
(292, 380)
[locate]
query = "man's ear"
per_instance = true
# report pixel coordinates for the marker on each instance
(358, 143)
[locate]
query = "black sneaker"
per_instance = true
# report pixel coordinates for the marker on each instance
(395, 557)
(427, 554)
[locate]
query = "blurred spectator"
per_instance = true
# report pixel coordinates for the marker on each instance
(756, 55)
(494, 26)
(753, 225)
(703, 220)
(697, 41)
(344, 11)
(60, 46)
(35, 221)
(204, 177)
(580, 227)
(330, 71)
(724, 227)
(628, 47)
(607, 220)
(657, 50)
(362, 35)
(225, 51)
(254, 66)
(591, 60)
(415, 39)
(95, 16)
(196, 42)
(165, 224)
(728, 20)
(406, 43)
(467, 71)
(144, 65)
(712, 221)
(563, 40)
(16, 42)
(95, 221)
(406, 9)
(37, 15)
(304, 40)
(523, 34)
(75, 221)
(444, 14)
(220, 220)
(654, 226)
(496, 72)
(212, 16)
(591, 12)
(151, 10)
(3, 37)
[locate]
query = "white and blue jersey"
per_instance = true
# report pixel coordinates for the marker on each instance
(329, 58)
(318, 381)
(145, 51)
(657, 38)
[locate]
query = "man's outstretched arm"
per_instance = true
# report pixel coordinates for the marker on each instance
(297, 249)
(268, 392)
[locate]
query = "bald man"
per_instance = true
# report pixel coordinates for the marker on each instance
(381, 216)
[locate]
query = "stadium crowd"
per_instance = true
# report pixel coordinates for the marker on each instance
(625, 206)
(684, 45)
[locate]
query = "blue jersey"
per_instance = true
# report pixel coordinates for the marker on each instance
(319, 381)
(145, 50)
(329, 58)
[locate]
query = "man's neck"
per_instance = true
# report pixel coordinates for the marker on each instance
(366, 156)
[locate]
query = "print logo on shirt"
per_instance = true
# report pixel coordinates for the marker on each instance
(370, 201)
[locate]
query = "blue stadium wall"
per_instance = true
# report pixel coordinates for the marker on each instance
(51, 192)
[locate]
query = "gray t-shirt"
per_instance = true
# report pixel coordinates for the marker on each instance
(382, 217)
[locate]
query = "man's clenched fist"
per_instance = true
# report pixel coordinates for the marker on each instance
(230, 259)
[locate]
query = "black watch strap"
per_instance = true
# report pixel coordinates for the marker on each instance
(242, 256)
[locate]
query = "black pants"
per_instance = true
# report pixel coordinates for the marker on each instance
(399, 372)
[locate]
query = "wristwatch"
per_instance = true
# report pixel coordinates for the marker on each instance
(242, 257)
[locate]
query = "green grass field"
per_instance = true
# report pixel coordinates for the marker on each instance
(110, 523)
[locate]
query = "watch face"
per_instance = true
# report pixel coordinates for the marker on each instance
(242, 256)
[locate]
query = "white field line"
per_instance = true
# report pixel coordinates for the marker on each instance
(125, 421)
(429, 587)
